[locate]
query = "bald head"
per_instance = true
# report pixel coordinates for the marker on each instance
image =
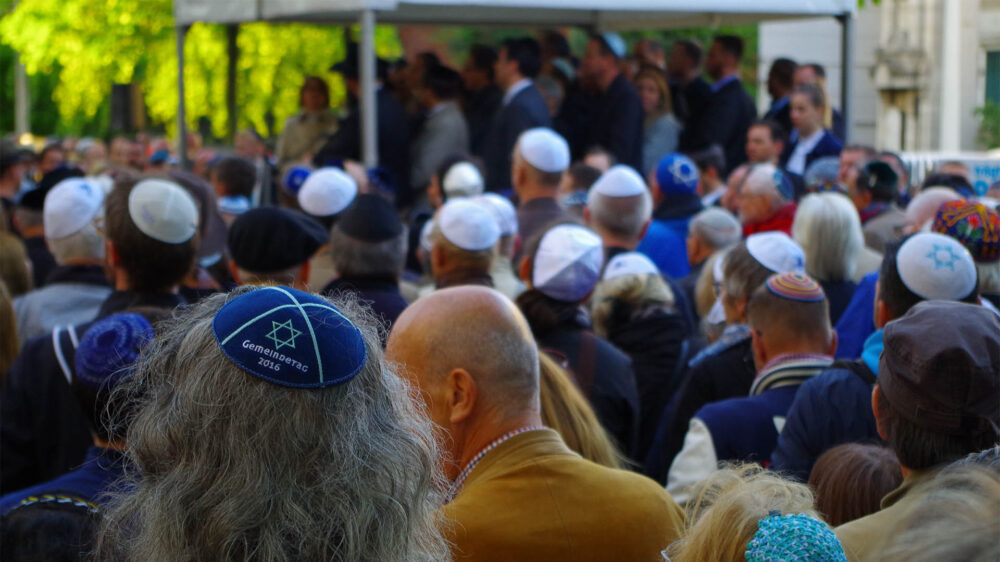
(474, 329)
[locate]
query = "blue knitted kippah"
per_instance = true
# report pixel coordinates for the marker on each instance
(792, 538)
(109, 348)
(289, 338)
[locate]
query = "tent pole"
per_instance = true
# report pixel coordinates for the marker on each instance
(181, 126)
(232, 31)
(366, 62)
(847, 72)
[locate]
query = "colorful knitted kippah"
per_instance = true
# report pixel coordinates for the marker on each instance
(792, 538)
(975, 225)
(795, 287)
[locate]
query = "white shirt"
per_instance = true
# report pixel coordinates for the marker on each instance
(515, 89)
(797, 162)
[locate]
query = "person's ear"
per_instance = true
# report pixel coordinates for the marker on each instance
(882, 314)
(524, 271)
(879, 422)
(302, 279)
(437, 258)
(235, 271)
(462, 395)
(111, 254)
(832, 348)
(741, 306)
(759, 349)
(586, 215)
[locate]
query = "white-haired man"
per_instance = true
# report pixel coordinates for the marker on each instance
(709, 231)
(766, 201)
(77, 287)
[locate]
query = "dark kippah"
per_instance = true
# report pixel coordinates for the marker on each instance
(882, 178)
(35, 199)
(370, 219)
(272, 239)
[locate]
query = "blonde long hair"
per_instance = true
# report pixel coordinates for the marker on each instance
(565, 410)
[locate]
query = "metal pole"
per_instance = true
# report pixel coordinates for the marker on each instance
(232, 31)
(847, 72)
(950, 110)
(181, 126)
(366, 62)
(22, 99)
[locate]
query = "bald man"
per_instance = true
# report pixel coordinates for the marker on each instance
(517, 492)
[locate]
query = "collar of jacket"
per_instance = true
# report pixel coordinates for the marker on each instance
(789, 369)
(121, 300)
(87, 274)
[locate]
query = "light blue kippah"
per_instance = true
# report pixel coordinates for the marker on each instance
(289, 338)
(794, 538)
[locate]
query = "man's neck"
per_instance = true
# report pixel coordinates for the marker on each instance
(512, 82)
(479, 437)
(531, 192)
(612, 241)
(122, 283)
(33, 231)
(80, 262)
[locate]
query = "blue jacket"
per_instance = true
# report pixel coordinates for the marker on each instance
(526, 110)
(666, 249)
(100, 469)
(834, 407)
(858, 320)
(828, 145)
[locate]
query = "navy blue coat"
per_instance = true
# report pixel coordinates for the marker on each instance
(857, 321)
(617, 124)
(690, 101)
(743, 428)
(381, 294)
(526, 110)
(828, 145)
(100, 469)
(833, 407)
(725, 121)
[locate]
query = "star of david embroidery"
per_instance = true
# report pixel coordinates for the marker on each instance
(275, 336)
(682, 172)
(943, 256)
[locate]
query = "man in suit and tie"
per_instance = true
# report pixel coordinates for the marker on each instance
(522, 107)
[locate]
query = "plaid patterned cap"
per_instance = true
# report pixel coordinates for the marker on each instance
(793, 537)
(975, 225)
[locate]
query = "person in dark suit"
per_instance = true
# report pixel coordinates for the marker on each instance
(482, 96)
(688, 90)
(780, 83)
(393, 132)
(730, 109)
(522, 107)
(812, 140)
(814, 73)
(617, 122)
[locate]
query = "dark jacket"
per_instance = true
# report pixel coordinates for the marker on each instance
(727, 117)
(42, 262)
(690, 101)
(536, 215)
(44, 431)
(95, 477)
(526, 110)
(832, 408)
(381, 294)
(480, 108)
(828, 145)
(617, 123)
(653, 341)
(718, 373)
(857, 321)
(605, 376)
(781, 113)
(393, 142)
(676, 211)
(839, 295)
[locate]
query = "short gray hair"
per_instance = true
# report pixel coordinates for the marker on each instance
(828, 228)
(86, 243)
(357, 258)
(761, 180)
(622, 216)
(230, 467)
(716, 228)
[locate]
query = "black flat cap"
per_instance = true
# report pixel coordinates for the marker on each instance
(370, 218)
(272, 239)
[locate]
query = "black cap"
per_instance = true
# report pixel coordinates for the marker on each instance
(881, 178)
(272, 239)
(35, 199)
(370, 218)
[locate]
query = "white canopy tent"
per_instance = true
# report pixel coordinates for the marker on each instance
(594, 15)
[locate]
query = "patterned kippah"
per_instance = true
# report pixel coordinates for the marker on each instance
(795, 287)
(110, 348)
(975, 225)
(793, 537)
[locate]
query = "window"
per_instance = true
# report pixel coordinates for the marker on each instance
(993, 76)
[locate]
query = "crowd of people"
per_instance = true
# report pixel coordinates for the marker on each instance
(582, 310)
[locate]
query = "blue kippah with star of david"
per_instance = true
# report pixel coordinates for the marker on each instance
(289, 338)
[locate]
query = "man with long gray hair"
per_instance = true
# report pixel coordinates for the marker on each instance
(271, 428)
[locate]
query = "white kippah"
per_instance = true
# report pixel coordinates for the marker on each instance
(936, 267)
(629, 263)
(71, 205)
(777, 252)
(544, 149)
(327, 191)
(462, 180)
(163, 211)
(619, 181)
(503, 211)
(468, 225)
(568, 263)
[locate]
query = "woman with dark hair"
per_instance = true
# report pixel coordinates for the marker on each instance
(305, 132)
(850, 480)
(560, 269)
